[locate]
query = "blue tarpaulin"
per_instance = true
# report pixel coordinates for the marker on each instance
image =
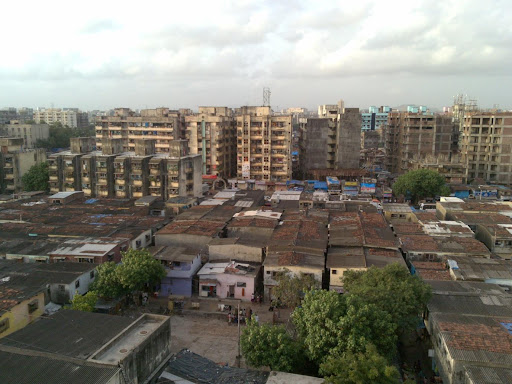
(320, 185)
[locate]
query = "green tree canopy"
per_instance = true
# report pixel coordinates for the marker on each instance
(270, 346)
(393, 289)
(359, 368)
(36, 178)
(85, 303)
(107, 283)
(60, 136)
(138, 270)
(291, 288)
(420, 183)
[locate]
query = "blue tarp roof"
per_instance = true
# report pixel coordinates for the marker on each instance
(295, 153)
(320, 185)
(296, 182)
(332, 180)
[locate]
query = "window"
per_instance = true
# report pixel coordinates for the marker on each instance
(334, 271)
(77, 283)
(62, 287)
(32, 307)
(4, 325)
(239, 284)
(91, 275)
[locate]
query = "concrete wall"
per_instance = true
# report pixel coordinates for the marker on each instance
(64, 293)
(237, 252)
(349, 139)
(315, 156)
(19, 316)
(226, 279)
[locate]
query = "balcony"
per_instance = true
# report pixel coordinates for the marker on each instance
(54, 178)
(121, 194)
(102, 181)
(154, 172)
(53, 168)
(120, 182)
(87, 191)
(9, 176)
(137, 183)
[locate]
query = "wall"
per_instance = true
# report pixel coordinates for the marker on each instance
(19, 315)
(176, 286)
(149, 354)
(226, 279)
(269, 282)
(338, 277)
(63, 296)
(237, 252)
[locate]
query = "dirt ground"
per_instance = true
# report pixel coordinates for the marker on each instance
(210, 338)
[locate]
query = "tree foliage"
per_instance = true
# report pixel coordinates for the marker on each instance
(270, 346)
(359, 368)
(85, 303)
(419, 184)
(60, 136)
(107, 282)
(393, 289)
(36, 178)
(291, 288)
(138, 270)
(357, 331)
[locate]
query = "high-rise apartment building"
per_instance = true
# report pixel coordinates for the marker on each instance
(263, 144)
(331, 142)
(15, 161)
(416, 135)
(212, 134)
(486, 146)
(374, 118)
(160, 124)
(113, 172)
(72, 117)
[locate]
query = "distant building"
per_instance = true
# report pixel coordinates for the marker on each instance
(486, 142)
(374, 118)
(8, 114)
(212, 134)
(331, 142)
(263, 144)
(15, 162)
(29, 132)
(160, 124)
(417, 134)
(71, 117)
(135, 174)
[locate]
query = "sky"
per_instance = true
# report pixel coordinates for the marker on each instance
(183, 54)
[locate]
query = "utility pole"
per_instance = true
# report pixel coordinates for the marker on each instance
(238, 357)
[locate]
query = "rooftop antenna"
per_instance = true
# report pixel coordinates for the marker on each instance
(266, 97)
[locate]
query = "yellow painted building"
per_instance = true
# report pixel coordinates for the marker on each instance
(19, 305)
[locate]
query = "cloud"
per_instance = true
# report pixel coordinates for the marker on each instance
(203, 45)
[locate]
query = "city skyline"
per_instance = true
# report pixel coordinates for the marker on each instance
(370, 53)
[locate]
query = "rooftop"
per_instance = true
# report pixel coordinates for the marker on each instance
(68, 333)
(450, 245)
(231, 267)
(181, 254)
(197, 369)
(89, 247)
(480, 269)
(396, 208)
(192, 227)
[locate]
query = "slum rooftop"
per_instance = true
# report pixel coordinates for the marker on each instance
(443, 245)
(93, 217)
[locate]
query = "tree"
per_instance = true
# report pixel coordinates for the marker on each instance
(139, 270)
(85, 303)
(393, 289)
(316, 322)
(270, 346)
(107, 282)
(60, 136)
(419, 184)
(36, 178)
(359, 368)
(328, 323)
(290, 288)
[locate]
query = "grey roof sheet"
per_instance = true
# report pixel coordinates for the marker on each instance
(18, 368)
(69, 333)
(488, 375)
(198, 369)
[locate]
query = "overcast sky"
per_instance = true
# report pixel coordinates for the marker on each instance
(105, 54)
